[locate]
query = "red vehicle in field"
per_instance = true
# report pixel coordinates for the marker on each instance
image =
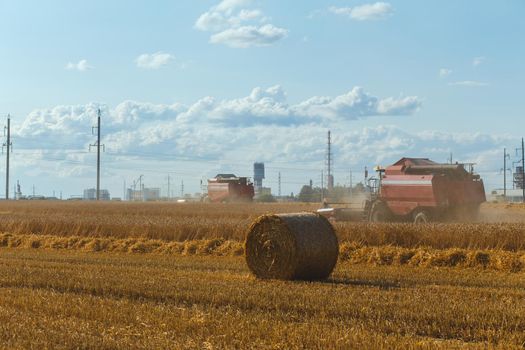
(230, 188)
(419, 190)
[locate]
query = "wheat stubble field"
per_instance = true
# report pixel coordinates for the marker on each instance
(157, 275)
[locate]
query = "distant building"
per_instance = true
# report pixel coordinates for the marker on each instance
(18, 193)
(258, 176)
(147, 194)
(265, 191)
(90, 194)
(513, 195)
(518, 177)
(151, 194)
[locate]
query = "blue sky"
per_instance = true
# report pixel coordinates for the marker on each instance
(191, 88)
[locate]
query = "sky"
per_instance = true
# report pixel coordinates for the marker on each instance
(188, 89)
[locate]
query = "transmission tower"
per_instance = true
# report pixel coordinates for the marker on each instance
(523, 169)
(519, 177)
(8, 145)
(329, 165)
(97, 145)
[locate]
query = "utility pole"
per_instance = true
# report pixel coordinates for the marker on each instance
(523, 169)
(505, 156)
(279, 184)
(182, 189)
(97, 145)
(322, 186)
(330, 176)
(141, 188)
(7, 144)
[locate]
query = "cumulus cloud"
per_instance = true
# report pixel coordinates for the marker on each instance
(214, 133)
(236, 26)
(366, 12)
(246, 36)
(469, 83)
(154, 61)
(80, 66)
(262, 107)
(445, 72)
(356, 104)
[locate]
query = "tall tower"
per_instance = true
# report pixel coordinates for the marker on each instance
(329, 164)
(258, 176)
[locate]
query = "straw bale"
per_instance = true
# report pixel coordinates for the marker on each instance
(291, 246)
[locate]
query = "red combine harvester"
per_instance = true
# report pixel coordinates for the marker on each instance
(230, 188)
(418, 190)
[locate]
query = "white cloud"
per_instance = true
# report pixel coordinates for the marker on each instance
(247, 36)
(154, 61)
(478, 60)
(214, 134)
(356, 104)
(80, 66)
(239, 27)
(469, 83)
(445, 72)
(261, 107)
(145, 135)
(366, 12)
(230, 5)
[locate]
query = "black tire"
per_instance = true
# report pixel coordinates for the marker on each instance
(379, 212)
(421, 217)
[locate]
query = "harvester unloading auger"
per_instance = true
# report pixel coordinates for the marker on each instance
(417, 190)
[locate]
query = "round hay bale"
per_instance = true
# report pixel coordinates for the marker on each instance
(291, 246)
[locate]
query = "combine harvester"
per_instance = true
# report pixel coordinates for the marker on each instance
(417, 190)
(225, 188)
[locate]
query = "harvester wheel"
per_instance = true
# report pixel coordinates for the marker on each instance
(421, 217)
(379, 212)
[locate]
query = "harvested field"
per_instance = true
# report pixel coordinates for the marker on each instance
(66, 299)
(121, 275)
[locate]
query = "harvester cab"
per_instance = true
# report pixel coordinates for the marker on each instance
(373, 185)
